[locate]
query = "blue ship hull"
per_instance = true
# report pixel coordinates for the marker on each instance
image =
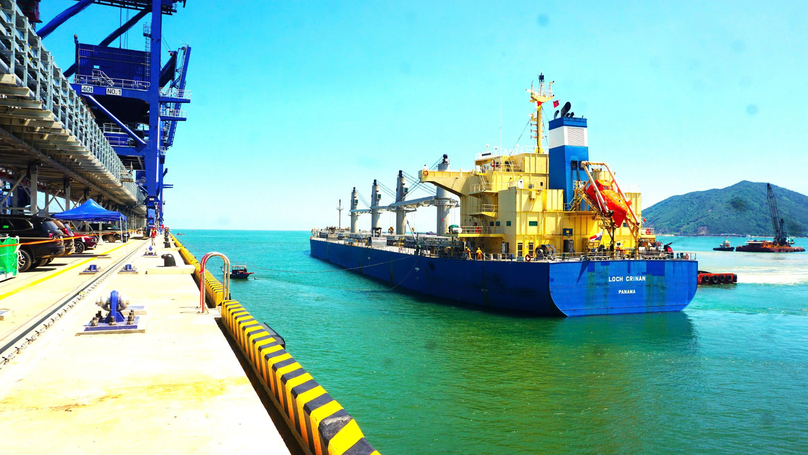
(567, 288)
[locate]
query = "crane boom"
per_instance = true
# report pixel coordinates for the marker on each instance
(780, 236)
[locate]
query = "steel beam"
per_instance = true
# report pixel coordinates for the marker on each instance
(13, 187)
(63, 17)
(33, 184)
(152, 156)
(67, 193)
(115, 119)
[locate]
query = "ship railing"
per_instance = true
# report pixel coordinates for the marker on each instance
(480, 187)
(477, 229)
(499, 167)
(496, 152)
(451, 247)
(588, 256)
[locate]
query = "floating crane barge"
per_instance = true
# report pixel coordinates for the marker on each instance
(543, 232)
(781, 242)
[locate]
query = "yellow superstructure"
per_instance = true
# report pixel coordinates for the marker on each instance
(507, 206)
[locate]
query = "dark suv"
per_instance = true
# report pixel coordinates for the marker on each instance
(68, 233)
(32, 230)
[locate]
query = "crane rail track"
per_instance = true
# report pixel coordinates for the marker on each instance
(35, 326)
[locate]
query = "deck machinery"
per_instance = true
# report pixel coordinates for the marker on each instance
(135, 98)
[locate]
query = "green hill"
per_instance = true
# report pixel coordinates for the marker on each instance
(738, 209)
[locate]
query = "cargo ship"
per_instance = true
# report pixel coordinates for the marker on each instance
(543, 230)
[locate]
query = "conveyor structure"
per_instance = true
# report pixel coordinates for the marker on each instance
(105, 134)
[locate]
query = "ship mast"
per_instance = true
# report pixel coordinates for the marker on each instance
(539, 97)
(339, 209)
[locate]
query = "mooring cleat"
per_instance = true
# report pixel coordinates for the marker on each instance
(128, 268)
(91, 269)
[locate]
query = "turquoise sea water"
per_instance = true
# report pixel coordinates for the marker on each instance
(727, 375)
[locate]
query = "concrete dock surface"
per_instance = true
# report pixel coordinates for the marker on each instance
(177, 388)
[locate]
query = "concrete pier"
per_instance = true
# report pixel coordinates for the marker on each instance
(177, 388)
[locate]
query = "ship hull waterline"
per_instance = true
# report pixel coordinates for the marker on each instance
(561, 288)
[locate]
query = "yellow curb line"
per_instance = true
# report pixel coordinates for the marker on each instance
(26, 286)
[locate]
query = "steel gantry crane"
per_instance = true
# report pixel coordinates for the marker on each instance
(135, 98)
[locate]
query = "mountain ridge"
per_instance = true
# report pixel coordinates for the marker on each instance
(739, 209)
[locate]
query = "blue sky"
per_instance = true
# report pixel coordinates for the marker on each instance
(295, 103)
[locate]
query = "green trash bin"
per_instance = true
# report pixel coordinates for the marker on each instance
(8, 257)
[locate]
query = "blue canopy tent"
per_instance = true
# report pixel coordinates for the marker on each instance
(89, 211)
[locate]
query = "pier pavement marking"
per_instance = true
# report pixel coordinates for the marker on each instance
(28, 285)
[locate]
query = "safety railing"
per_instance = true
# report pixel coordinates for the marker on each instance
(174, 92)
(167, 112)
(99, 79)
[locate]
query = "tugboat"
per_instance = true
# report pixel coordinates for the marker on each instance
(240, 272)
(725, 246)
(543, 230)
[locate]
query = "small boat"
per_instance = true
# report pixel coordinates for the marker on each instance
(240, 271)
(725, 246)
